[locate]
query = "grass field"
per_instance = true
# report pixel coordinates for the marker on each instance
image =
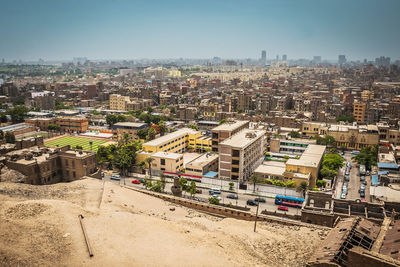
(74, 141)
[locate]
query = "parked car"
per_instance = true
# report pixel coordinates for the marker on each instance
(343, 196)
(142, 180)
(348, 165)
(362, 194)
(355, 152)
(283, 208)
(232, 196)
(362, 187)
(102, 174)
(217, 197)
(368, 173)
(136, 181)
(261, 200)
(199, 191)
(362, 178)
(346, 178)
(364, 182)
(251, 202)
(347, 172)
(115, 177)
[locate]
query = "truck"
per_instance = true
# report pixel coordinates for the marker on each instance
(362, 169)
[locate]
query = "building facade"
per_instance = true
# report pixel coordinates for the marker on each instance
(225, 130)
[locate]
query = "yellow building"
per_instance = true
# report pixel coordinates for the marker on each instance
(359, 111)
(167, 162)
(367, 95)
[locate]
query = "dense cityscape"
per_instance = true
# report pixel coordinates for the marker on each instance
(270, 160)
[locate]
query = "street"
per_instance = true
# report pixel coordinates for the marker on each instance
(354, 184)
(204, 195)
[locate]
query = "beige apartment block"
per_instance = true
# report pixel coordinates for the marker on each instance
(226, 130)
(240, 154)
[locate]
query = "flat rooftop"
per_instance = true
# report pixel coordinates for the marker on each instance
(167, 155)
(270, 170)
(203, 160)
(310, 157)
(243, 138)
(230, 126)
(170, 136)
(130, 124)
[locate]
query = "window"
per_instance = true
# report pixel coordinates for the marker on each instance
(73, 164)
(235, 153)
(162, 161)
(66, 162)
(74, 174)
(235, 162)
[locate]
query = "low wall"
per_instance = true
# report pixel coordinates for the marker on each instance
(222, 211)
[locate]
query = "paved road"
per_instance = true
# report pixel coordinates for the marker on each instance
(269, 205)
(354, 184)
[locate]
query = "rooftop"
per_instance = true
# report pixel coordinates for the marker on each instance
(310, 157)
(243, 138)
(270, 170)
(230, 126)
(202, 160)
(167, 155)
(130, 124)
(169, 137)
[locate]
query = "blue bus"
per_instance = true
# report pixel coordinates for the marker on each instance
(289, 201)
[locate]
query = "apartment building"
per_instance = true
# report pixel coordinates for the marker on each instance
(240, 154)
(118, 102)
(289, 146)
(41, 123)
(226, 130)
(359, 111)
(131, 128)
(47, 166)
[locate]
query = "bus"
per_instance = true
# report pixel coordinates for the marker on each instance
(289, 201)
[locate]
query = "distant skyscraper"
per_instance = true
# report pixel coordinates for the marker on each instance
(263, 56)
(317, 59)
(342, 59)
(277, 57)
(383, 61)
(284, 57)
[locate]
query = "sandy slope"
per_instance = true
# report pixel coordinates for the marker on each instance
(39, 226)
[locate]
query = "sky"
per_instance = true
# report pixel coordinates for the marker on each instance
(122, 29)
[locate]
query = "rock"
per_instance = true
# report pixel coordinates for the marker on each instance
(172, 209)
(66, 235)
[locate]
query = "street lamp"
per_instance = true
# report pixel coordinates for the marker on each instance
(258, 205)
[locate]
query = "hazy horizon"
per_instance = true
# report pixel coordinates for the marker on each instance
(61, 30)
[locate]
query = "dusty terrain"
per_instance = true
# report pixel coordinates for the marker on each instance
(39, 226)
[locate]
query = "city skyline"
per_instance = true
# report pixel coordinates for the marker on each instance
(181, 29)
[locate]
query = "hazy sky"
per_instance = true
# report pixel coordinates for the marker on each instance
(117, 29)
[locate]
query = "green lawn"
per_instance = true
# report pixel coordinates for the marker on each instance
(74, 141)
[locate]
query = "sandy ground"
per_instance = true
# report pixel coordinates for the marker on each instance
(39, 226)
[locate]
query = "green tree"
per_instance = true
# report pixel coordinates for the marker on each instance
(332, 161)
(344, 117)
(321, 183)
(124, 158)
(3, 118)
(149, 109)
(368, 156)
(157, 186)
(111, 119)
(192, 189)
(142, 133)
(151, 134)
(142, 165)
(193, 127)
(53, 127)
(231, 185)
(18, 113)
(254, 179)
(213, 200)
(1, 135)
(10, 137)
(327, 173)
(78, 147)
(102, 154)
(145, 117)
(294, 134)
(163, 127)
(302, 188)
(183, 183)
(222, 121)
(172, 110)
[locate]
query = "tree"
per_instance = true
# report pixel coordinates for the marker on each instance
(192, 189)
(326, 141)
(183, 183)
(145, 117)
(254, 179)
(172, 110)
(124, 158)
(102, 155)
(10, 137)
(163, 127)
(163, 181)
(231, 185)
(91, 144)
(368, 156)
(332, 161)
(294, 134)
(327, 173)
(344, 117)
(142, 133)
(151, 134)
(53, 127)
(213, 200)
(142, 165)
(149, 109)
(222, 121)
(194, 127)
(111, 119)
(18, 113)
(302, 188)
(1, 135)
(149, 160)
(156, 187)
(78, 147)
(321, 183)
(3, 118)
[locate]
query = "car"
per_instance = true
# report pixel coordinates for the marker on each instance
(346, 178)
(344, 191)
(136, 181)
(214, 191)
(347, 173)
(115, 177)
(217, 197)
(283, 208)
(367, 173)
(363, 187)
(362, 178)
(260, 199)
(355, 152)
(232, 196)
(142, 180)
(251, 202)
(102, 174)
(343, 196)
(348, 165)
(362, 194)
(342, 153)
(364, 182)
(199, 191)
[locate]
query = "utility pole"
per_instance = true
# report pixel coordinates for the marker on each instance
(255, 221)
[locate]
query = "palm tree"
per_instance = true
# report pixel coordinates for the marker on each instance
(142, 165)
(149, 160)
(302, 188)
